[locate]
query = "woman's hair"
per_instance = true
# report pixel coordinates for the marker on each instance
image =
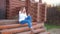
(21, 8)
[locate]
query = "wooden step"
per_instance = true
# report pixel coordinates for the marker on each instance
(48, 32)
(6, 22)
(29, 32)
(14, 25)
(22, 29)
(44, 33)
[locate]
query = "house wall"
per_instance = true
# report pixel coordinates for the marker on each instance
(13, 8)
(14, 5)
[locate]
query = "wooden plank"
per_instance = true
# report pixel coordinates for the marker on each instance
(5, 22)
(44, 33)
(14, 25)
(29, 32)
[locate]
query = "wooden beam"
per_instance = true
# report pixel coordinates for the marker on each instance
(14, 25)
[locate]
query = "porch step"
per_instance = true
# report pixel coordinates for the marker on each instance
(21, 29)
(12, 27)
(16, 25)
(29, 32)
(36, 31)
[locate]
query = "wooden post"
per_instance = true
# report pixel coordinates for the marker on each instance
(38, 12)
(45, 12)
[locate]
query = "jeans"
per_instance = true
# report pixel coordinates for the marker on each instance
(27, 20)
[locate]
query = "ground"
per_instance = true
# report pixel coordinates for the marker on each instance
(54, 31)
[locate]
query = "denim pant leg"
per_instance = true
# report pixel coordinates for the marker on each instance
(29, 18)
(28, 22)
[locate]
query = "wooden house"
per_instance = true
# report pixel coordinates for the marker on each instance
(10, 25)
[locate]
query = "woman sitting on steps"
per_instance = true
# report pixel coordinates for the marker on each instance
(24, 18)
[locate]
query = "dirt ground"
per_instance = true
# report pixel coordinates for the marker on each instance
(54, 31)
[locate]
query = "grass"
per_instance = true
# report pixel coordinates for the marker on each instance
(51, 26)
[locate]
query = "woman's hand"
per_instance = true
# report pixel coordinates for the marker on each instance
(28, 14)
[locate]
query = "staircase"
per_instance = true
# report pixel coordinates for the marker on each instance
(9, 27)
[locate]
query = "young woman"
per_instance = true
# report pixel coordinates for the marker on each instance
(24, 18)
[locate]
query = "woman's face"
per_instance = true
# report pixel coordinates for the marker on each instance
(24, 10)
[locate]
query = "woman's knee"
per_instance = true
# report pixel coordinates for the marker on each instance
(29, 17)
